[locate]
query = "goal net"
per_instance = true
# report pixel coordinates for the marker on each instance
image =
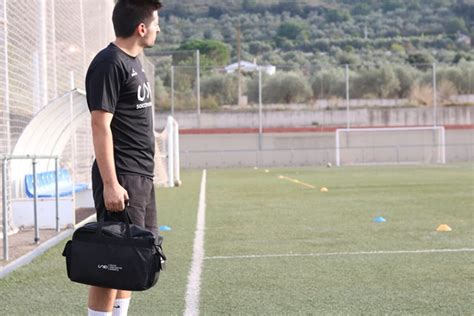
(398, 145)
(167, 155)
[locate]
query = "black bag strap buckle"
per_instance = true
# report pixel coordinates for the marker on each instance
(161, 258)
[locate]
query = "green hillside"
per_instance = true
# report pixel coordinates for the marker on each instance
(326, 31)
(389, 45)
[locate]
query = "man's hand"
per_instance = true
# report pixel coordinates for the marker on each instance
(115, 198)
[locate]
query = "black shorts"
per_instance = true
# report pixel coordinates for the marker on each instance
(141, 193)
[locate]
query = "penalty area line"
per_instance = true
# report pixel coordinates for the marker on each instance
(355, 253)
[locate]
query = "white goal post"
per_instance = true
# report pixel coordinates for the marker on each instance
(167, 171)
(390, 145)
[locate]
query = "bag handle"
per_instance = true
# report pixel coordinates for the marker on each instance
(127, 220)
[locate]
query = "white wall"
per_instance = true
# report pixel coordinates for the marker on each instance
(406, 116)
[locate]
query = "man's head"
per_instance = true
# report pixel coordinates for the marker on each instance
(137, 18)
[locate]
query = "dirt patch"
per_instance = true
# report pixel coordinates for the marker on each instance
(23, 242)
(83, 213)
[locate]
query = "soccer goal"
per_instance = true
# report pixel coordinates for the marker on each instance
(167, 155)
(390, 145)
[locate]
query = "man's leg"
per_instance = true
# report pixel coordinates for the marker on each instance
(101, 299)
(142, 205)
(109, 300)
(121, 303)
(151, 216)
(142, 208)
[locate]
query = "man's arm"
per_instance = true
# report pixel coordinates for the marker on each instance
(115, 196)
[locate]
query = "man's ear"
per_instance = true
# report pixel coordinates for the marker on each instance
(141, 29)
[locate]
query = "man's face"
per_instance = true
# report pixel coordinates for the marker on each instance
(151, 31)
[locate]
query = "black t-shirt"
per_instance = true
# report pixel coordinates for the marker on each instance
(116, 83)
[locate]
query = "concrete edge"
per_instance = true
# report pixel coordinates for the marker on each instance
(42, 248)
(87, 220)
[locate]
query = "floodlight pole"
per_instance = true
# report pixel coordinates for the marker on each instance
(198, 82)
(56, 191)
(260, 123)
(435, 99)
(6, 98)
(43, 54)
(5, 211)
(53, 42)
(73, 137)
(35, 200)
(348, 124)
(83, 36)
(172, 90)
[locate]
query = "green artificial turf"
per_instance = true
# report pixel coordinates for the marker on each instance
(256, 213)
(289, 228)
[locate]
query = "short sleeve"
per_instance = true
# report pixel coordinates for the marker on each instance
(103, 84)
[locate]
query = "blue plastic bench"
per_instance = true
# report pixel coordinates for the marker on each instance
(46, 186)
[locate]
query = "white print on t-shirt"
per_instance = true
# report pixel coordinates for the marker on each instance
(134, 73)
(144, 105)
(146, 92)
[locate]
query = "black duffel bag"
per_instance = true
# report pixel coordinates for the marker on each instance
(115, 255)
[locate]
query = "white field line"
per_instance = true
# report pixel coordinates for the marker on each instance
(297, 181)
(194, 277)
(357, 253)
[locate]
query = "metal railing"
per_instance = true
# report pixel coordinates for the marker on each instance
(34, 159)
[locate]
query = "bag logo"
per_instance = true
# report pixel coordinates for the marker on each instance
(109, 267)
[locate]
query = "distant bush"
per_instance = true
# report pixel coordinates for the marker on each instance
(406, 77)
(212, 52)
(461, 76)
(453, 75)
(290, 30)
(446, 90)
(467, 70)
(337, 15)
(209, 103)
(397, 48)
(222, 88)
(454, 25)
(378, 82)
(421, 94)
(361, 9)
(344, 58)
(286, 88)
(329, 83)
(162, 97)
(258, 48)
(392, 5)
(421, 60)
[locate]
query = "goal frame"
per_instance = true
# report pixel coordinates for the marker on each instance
(442, 137)
(169, 161)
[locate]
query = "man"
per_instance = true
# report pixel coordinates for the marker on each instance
(119, 98)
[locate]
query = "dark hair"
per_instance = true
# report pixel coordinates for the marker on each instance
(128, 14)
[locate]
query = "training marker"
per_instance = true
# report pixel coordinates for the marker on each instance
(443, 228)
(379, 219)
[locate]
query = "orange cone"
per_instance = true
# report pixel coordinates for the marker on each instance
(443, 228)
